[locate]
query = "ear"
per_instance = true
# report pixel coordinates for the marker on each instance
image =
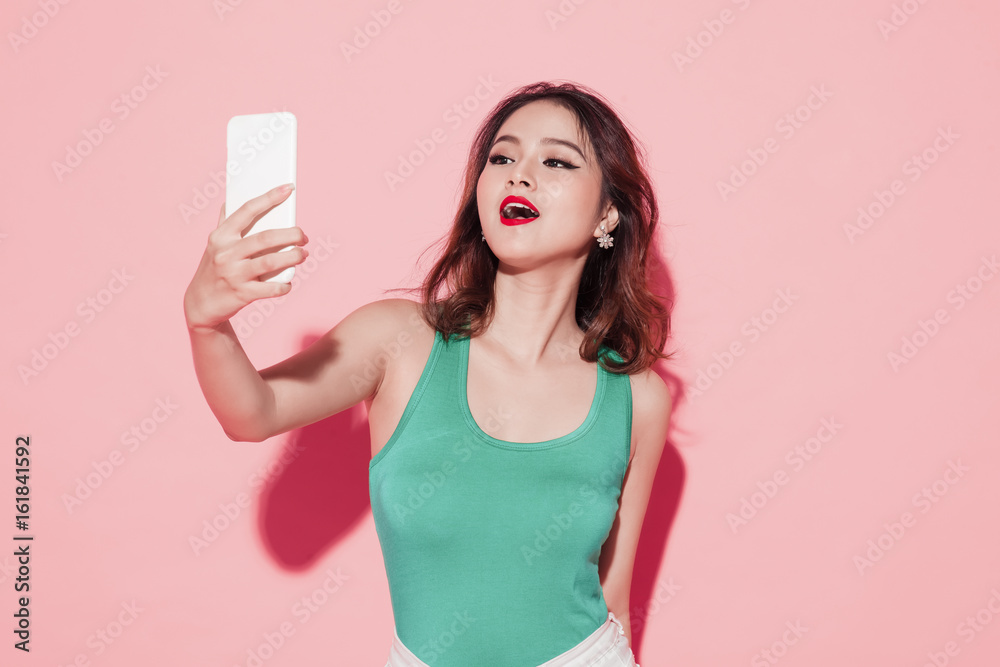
(609, 220)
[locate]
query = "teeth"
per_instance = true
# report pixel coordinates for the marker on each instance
(519, 210)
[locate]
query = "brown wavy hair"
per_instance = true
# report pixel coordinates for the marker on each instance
(615, 305)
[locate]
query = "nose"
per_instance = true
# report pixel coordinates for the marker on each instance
(521, 174)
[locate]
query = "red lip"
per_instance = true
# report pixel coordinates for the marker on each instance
(511, 199)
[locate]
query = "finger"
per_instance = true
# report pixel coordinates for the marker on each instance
(222, 215)
(274, 261)
(246, 215)
(262, 289)
(272, 238)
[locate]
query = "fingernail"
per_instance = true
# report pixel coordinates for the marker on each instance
(287, 187)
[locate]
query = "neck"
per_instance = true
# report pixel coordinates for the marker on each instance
(535, 314)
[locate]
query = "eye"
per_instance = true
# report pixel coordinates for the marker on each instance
(565, 164)
(497, 157)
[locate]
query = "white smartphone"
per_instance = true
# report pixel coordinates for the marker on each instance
(261, 155)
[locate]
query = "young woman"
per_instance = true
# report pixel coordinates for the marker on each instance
(516, 425)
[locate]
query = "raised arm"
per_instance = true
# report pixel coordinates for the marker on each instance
(334, 373)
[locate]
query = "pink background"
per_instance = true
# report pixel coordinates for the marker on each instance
(710, 593)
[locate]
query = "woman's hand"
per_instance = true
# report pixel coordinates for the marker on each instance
(228, 277)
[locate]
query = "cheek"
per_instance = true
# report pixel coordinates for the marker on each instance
(590, 201)
(481, 195)
(580, 200)
(486, 184)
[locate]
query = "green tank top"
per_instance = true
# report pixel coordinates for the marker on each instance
(491, 547)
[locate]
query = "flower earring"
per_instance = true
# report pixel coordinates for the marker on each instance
(606, 240)
(483, 233)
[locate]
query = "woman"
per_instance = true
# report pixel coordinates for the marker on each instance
(516, 425)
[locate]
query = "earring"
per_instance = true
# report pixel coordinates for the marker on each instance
(483, 233)
(606, 240)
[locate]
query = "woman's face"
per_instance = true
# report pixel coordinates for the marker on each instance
(540, 156)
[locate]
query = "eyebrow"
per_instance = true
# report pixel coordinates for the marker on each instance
(546, 140)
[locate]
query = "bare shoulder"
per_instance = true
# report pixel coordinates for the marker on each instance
(347, 365)
(404, 337)
(388, 311)
(388, 320)
(651, 407)
(406, 320)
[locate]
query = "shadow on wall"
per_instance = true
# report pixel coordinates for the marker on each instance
(322, 494)
(648, 595)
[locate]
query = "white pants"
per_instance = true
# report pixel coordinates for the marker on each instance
(607, 646)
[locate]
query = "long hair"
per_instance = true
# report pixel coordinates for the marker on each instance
(615, 306)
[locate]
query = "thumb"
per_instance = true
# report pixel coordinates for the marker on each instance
(222, 215)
